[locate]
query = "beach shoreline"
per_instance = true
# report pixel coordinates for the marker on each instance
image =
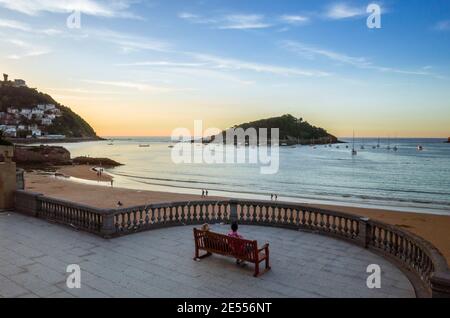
(431, 227)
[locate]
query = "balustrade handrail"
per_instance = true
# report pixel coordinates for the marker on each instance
(66, 203)
(409, 250)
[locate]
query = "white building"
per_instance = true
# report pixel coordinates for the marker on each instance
(38, 113)
(20, 83)
(46, 107)
(12, 110)
(46, 121)
(10, 132)
(36, 132)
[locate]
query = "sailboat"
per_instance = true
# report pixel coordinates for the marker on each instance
(395, 148)
(354, 152)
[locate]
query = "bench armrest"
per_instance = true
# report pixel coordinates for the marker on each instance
(265, 246)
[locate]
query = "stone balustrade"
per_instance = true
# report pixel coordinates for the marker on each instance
(419, 260)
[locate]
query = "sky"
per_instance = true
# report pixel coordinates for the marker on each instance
(141, 68)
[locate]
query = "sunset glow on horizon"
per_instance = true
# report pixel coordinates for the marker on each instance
(145, 68)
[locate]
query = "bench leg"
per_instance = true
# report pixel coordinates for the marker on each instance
(267, 263)
(256, 270)
(197, 256)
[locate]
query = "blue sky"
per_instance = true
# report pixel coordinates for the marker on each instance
(226, 61)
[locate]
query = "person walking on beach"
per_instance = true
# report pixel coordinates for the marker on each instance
(203, 193)
(271, 197)
(206, 192)
(112, 182)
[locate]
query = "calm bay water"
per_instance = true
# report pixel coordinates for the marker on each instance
(407, 179)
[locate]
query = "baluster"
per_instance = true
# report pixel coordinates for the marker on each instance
(267, 216)
(321, 223)
(292, 217)
(122, 215)
(116, 222)
(339, 219)
(147, 218)
(141, 218)
(177, 214)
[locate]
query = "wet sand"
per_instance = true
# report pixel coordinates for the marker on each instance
(434, 228)
(84, 172)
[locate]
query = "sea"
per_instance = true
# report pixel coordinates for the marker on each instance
(407, 179)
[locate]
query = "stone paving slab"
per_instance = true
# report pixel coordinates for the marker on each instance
(34, 255)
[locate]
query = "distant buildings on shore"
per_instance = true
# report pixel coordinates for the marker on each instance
(29, 122)
(15, 83)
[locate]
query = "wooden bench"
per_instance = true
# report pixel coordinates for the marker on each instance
(245, 250)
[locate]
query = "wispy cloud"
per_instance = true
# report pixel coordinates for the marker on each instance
(144, 87)
(234, 64)
(443, 25)
(229, 22)
(103, 8)
(212, 62)
(24, 50)
(163, 64)
(244, 21)
(340, 11)
(128, 42)
(311, 52)
(17, 25)
(294, 19)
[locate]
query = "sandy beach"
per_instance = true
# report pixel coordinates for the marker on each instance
(83, 172)
(433, 228)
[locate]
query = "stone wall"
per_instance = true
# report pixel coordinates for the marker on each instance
(7, 177)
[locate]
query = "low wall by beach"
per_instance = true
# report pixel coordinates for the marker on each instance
(420, 261)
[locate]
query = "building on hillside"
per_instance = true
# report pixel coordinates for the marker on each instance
(12, 110)
(19, 83)
(10, 131)
(35, 132)
(46, 122)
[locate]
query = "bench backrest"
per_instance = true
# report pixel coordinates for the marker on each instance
(226, 245)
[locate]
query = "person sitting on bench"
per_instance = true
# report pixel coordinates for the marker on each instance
(234, 233)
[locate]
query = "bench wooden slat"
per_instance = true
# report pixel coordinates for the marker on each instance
(246, 250)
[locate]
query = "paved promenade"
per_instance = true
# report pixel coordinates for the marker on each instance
(34, 255)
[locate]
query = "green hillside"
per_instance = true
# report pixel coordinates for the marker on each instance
(292, 130)
(69, 124)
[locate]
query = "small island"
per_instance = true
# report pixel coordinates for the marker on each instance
(292, 131)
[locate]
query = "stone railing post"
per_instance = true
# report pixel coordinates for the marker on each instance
(440, 285)
(108, 228)
(364, 232)
(27, 202)
(233, 211)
